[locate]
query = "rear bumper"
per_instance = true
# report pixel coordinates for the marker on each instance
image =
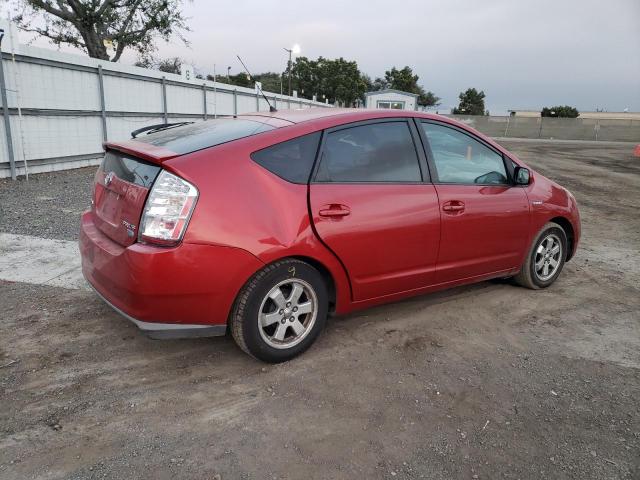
(184, 291)
(163, 331)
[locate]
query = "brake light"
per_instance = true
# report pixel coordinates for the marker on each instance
(168, 210)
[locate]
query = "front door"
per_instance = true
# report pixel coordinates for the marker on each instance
(371, 207)
(485, 218)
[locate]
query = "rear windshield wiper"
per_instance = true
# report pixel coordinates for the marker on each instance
(156, 128)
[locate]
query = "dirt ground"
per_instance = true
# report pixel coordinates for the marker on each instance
(487, 381)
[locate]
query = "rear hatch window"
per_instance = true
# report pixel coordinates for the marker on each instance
(121, 186)
(189, 138)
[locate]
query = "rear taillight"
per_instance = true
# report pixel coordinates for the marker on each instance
(168, 209)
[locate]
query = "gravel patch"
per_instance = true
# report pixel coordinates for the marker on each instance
(47, 205)
(486, 381)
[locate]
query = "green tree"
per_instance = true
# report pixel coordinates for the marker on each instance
(170, 65)
(338, 80)
(305, 76)
(406, 81)
(368, 82)
(471, 103)
(167, 65)
(94, 25)
(271, 81)
(380, 84)
(403, 79)
(564, 111)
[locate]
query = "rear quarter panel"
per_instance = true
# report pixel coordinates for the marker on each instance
(243, 205)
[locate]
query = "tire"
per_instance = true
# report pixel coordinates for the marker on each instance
(280, 311)
(532, 274)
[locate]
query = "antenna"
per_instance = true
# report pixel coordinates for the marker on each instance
(271, 107)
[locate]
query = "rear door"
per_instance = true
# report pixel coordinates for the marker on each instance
(373, 206)
(485, 218)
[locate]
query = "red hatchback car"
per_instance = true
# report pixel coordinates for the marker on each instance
(264, 224)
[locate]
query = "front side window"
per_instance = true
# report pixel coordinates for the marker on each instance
(377, 152)
(460, 158)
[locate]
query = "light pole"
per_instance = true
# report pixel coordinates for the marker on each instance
(293, 50)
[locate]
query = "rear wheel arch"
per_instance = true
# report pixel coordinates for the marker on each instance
(324, 271)
(326, 275)
(569, 232)
(246, 322)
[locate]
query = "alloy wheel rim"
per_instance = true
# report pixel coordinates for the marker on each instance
(287, 313)
(547, 257)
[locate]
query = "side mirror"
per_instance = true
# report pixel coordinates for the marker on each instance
(522, 176)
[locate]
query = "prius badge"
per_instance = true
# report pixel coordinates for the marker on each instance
(131, 228)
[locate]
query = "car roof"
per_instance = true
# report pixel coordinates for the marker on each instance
(300, 115)
(329, 117)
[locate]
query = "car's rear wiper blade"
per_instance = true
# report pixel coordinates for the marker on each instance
(156, 128)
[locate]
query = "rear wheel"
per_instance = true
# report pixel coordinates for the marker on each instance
(280, 312)
(545, 259)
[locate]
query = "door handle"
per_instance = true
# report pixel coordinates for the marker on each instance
(453, 206)
(334, 211)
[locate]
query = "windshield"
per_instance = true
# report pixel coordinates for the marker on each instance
(208, 133)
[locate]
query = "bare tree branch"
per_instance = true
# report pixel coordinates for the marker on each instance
(90, 24)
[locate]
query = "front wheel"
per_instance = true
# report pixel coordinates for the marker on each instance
(545, 259)
(280, 312)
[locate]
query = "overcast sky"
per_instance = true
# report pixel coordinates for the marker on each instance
(524, 54)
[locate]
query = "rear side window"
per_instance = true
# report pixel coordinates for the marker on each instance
(205, 134)
(291, 160)
(377, 152)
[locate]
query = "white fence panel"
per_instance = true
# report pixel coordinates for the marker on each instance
(62, 124)
(120, 128)
(219, 103)
(53, 137)
(131, 95)
(182, 99)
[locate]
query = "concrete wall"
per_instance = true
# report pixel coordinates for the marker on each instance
(555, 128)
(56, 110)
(584, 115)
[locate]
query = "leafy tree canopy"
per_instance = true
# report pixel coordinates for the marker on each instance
(337, 80)
(406, 81)
(168, 65)
(103, 28)
(564, 111)
(270, 80)
(471, 103)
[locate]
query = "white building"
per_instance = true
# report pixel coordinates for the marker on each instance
(390, 98)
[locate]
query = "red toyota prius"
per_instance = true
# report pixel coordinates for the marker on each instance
(264, 224)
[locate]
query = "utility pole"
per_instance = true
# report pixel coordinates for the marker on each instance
(290, 50)
(295, 49)
(228, 70)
